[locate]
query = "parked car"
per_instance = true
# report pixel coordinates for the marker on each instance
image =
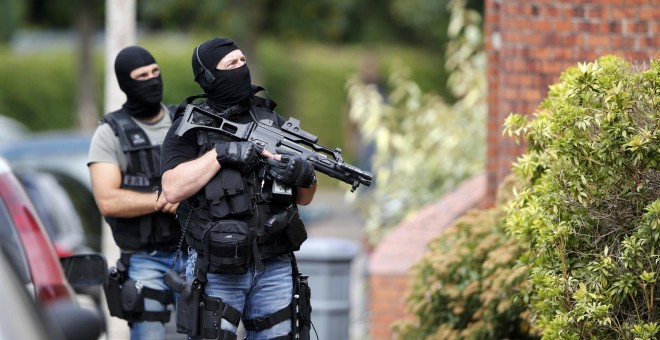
(62, 155)
(60, 319)
(56, 210)
(11, 130)
(24, 241)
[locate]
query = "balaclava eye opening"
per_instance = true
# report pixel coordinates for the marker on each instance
(143, 97)
(225, 88)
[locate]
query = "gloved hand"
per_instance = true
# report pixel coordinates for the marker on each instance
(242, 155)
(292, 169)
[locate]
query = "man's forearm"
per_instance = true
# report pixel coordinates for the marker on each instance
(186, 179)
(125, 203)
(305, 195)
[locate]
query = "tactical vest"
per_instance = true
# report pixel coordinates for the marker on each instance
(235, 219)
(157, 231)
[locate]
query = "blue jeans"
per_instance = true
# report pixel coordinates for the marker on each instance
(149, 268)
(256, 293)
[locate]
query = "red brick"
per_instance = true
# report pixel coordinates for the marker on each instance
(563, 25)
(649, 13)
(636, 26)
(596, 11)
(623, 12)
(596, 40)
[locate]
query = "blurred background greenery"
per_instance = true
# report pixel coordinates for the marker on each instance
(398, 85)
(302, 52)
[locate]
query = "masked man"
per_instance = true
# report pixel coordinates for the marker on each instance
(124, 164)
(239, 204)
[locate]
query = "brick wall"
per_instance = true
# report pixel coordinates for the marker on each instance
(531, 42)
(391, 260)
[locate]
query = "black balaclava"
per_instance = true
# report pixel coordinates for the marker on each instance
(143, 97)
(225, 88)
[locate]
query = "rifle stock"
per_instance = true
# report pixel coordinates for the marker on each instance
(290, 137)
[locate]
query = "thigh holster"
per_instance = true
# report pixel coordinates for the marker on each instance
(213, 310)
(125, 297)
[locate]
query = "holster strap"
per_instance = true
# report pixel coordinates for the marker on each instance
(268, 321)
(228, 312)
(162, 296)
(220, 334)
(283, 337)
(163, 316)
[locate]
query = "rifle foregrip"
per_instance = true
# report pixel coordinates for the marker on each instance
(342, 171)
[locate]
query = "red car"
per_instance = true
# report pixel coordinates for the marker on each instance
(30, 251)
(48, 278)
(45, 272)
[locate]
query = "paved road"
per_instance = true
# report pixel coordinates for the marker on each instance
(329, 216)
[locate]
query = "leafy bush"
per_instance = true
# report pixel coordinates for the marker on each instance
(590, 209)
(463, 287)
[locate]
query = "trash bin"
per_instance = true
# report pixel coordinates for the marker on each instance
(327, 262)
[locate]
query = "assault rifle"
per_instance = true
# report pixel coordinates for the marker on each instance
(289, 137)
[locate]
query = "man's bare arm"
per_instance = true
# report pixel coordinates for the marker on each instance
(113, 201)
(186, 179)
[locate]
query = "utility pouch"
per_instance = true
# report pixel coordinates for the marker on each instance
(228, 247)
(188, 305)
(132, 300)
(175, 281)
(278, 222)
(296, 232)
(303, 315)
(112, 290)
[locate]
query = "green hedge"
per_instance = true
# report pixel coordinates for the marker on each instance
(307, 80)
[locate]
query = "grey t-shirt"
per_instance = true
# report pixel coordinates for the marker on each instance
(105, 146)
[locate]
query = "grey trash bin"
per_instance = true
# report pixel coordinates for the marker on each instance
(327, 262)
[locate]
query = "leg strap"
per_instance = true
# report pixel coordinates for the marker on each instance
(163, 316)
(268, 321)
(162, 296)
(214, 311)
(283, 337)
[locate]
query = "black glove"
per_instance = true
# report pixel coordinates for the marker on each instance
(292, 169)
(242, 155)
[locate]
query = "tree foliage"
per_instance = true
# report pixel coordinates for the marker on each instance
(10, 12)
(590, 210)
(424, 146)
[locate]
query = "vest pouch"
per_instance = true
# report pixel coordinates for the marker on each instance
(132, 300)
(296, 232)
(167, 231)
(227, 195)
(157, 230)
(228, 247)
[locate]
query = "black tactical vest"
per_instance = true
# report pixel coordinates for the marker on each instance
(157, 231)
(246, 198)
